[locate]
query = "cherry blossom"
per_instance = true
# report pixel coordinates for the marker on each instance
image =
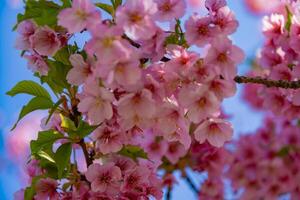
(82, 15)
(215, 131)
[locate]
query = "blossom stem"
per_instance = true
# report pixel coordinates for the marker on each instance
(191, 184)
(268, 82)
(169, 193)
(86, 153)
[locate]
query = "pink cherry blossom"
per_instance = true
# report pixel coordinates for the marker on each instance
(182, 60)
(170, 9)
(53, 123)
(225, 20)
(45, 41)
(273, 26)
(136, 178)
(175, 151)
(222, 88)
(155, 147)
(136, 17)
(47, 189)
(81, 70)
(200, 102)
(36, 63)
(136, 109)
(224, 55)
(82, 14)
(214, 5)
(26, 29)
(154, 47)
(215, 131)
(19, 195)
(124, 72)
(107, 44)
(199, 30)
(95, 103)
(104, 178)
(108, 139)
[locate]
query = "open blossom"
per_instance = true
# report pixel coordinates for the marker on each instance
(124, 72)
(46, 189)
(136, 109)
(81, 15)
(215, 131)
(136, 17)
(214, 5)
(81, 70)
(225, 55)
(200, 102)
(26, 29)
(182, 60)
(104, 178)
(36, 63)
(170, 9)
(107, 44)
(108, 139)
(225, 20)
(136, 178)
(154, 47)
(273, 26)
(175, 151)
(199, 30)
(96, 103)
(45, 41)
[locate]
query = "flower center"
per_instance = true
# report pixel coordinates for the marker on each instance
(222, 57)
(203, 30)
(135, 17)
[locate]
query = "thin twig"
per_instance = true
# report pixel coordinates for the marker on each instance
(268, 82)
(191, 184)
(169, 193)
(86, 153)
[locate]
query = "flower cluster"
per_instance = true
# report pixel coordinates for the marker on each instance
(136, 88)
(279, 60)
(266, 164)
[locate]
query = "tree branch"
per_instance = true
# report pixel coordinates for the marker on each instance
(169, 193)
(191, 184)
(268, 82)
(88, 159)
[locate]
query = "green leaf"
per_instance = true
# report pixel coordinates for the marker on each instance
(37, 103)
(56, 78)
(64, 53)
(67, 123)
(46, 156)
(84, 129)
(118, 3)
(107, 8)
(133, 152)
(66, 3)
(288, 23)
(53, 109)
(284, 151)
(62, 157)
(43, 12)
(29, 193)
(29, 87)
(45, 140)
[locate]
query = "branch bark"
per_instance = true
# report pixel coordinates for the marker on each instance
(88, 159)
(268, 82)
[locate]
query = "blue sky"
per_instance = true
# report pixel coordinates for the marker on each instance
(13, 69)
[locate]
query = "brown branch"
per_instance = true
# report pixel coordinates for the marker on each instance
(169, 193)
(191, 184)
(268, 82)
(88, 159)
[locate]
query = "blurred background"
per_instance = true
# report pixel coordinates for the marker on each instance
(14, 147)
